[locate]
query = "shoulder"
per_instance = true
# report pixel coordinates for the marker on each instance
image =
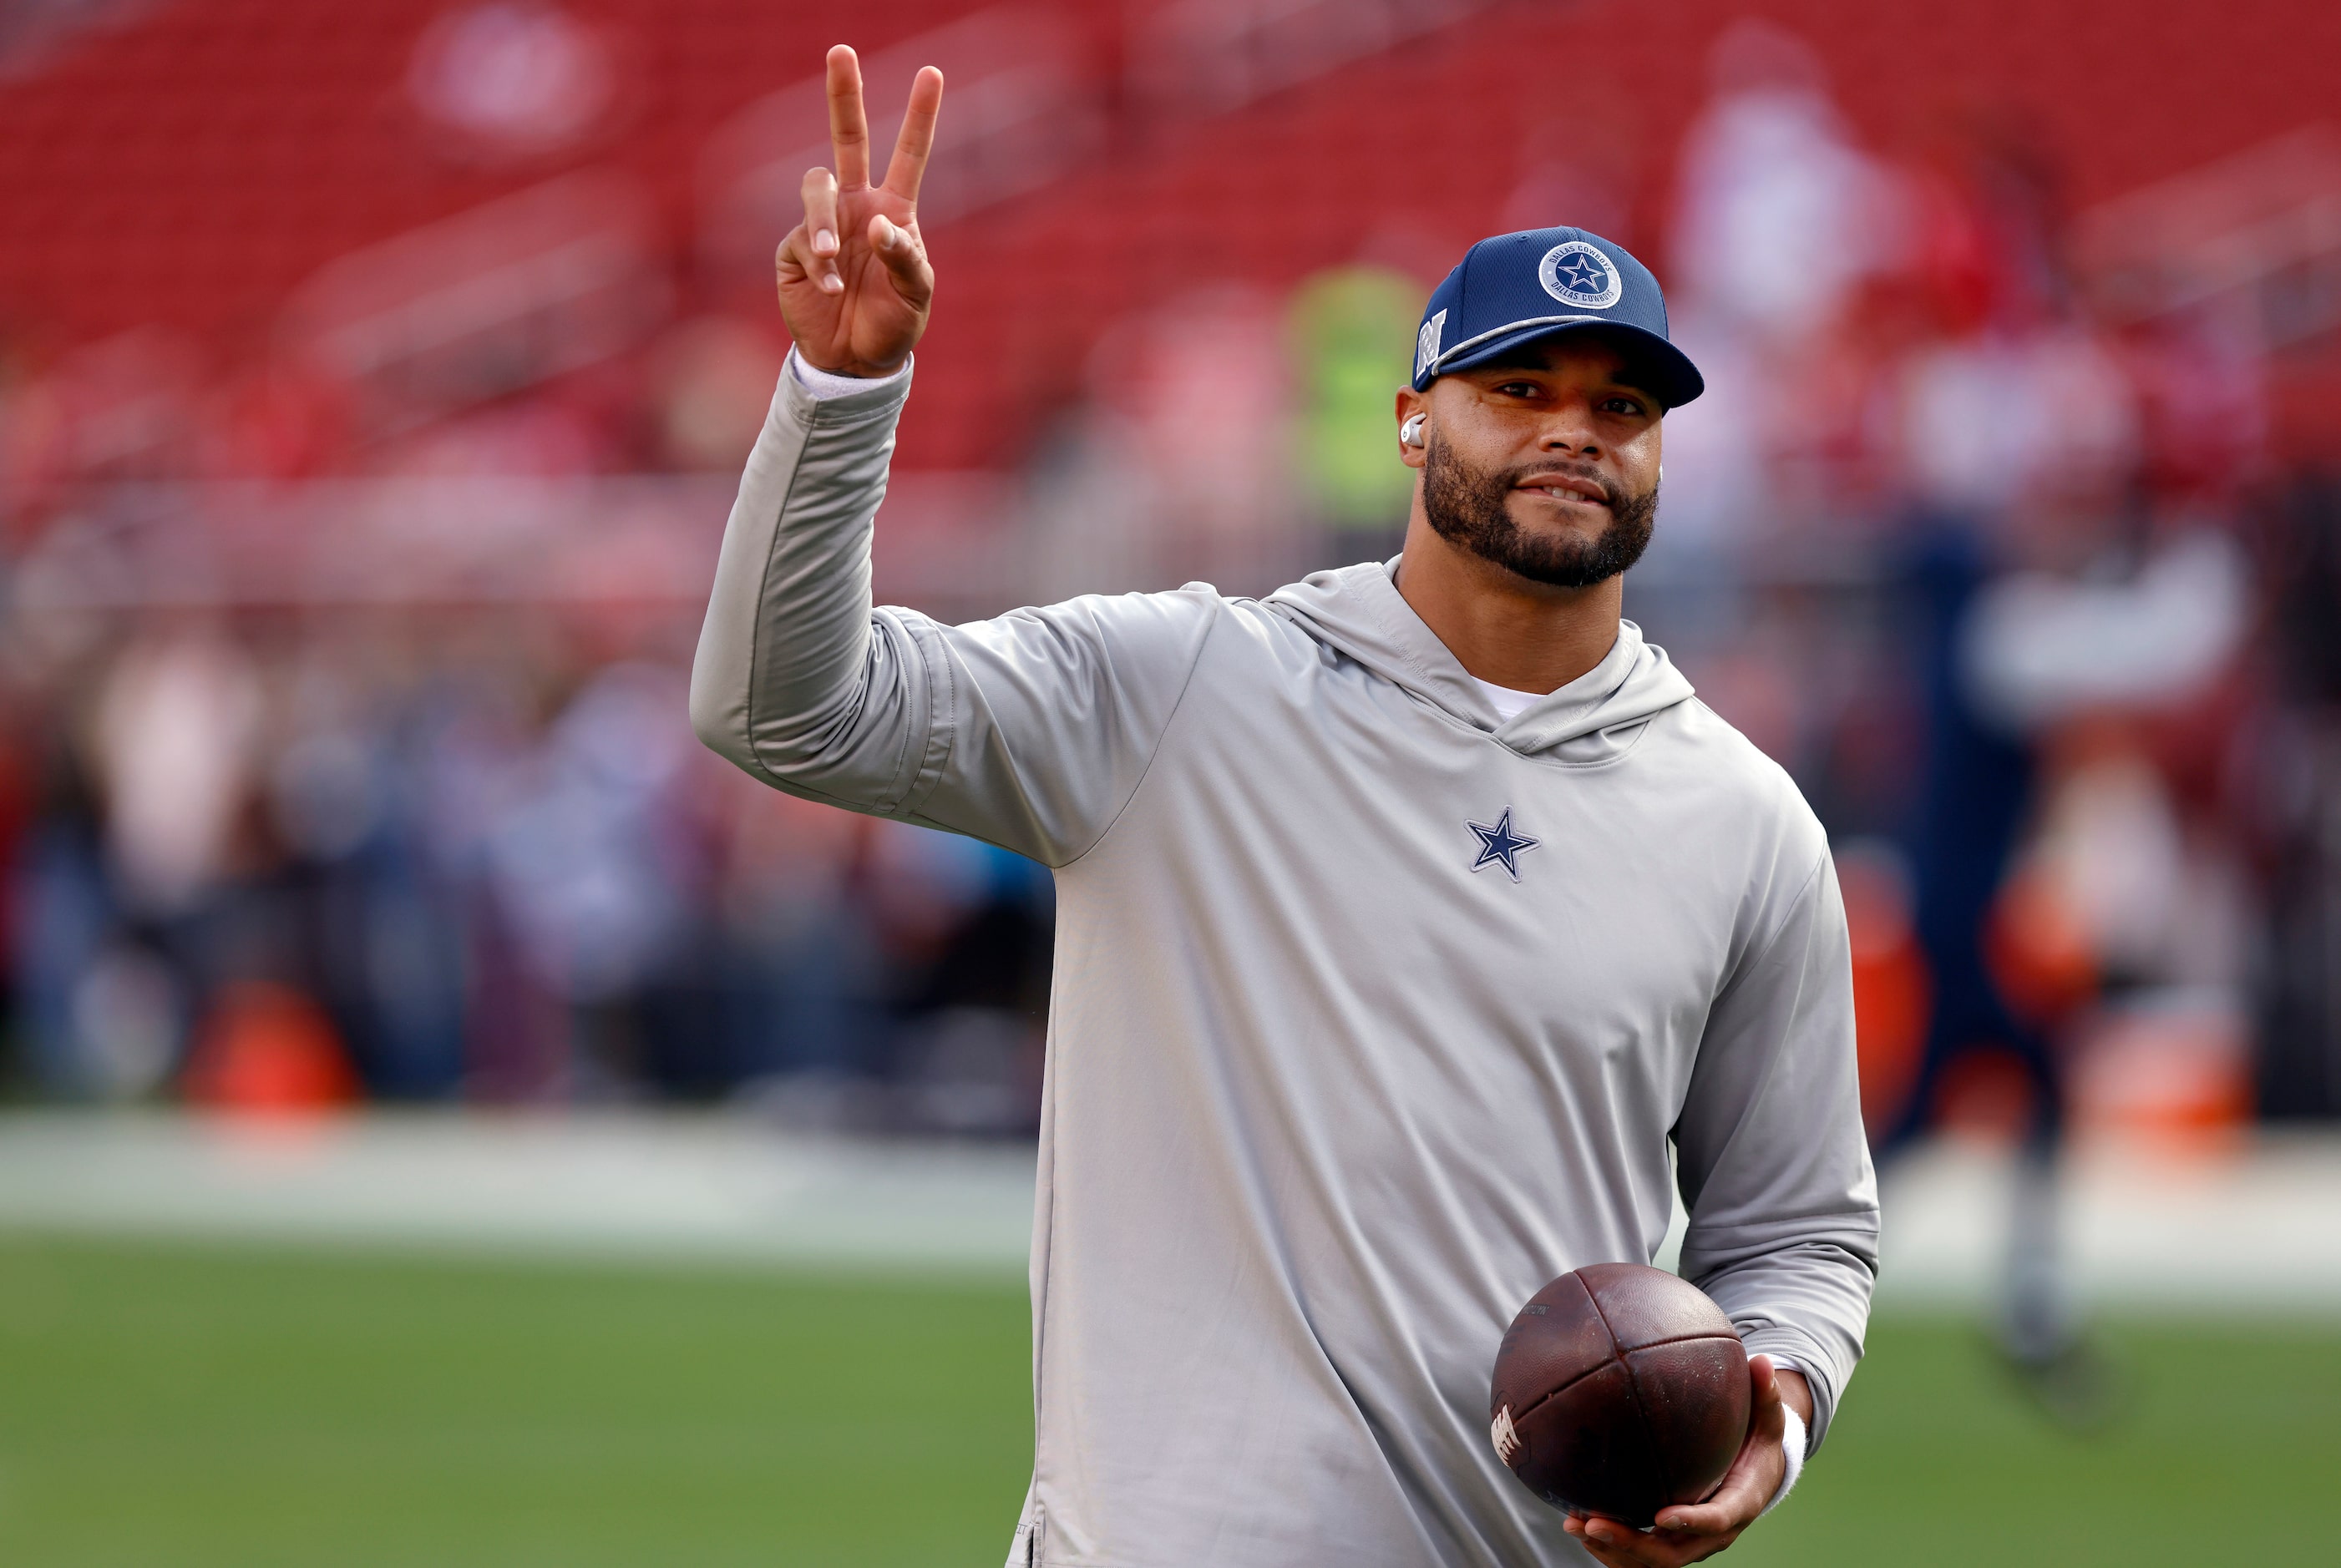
(1696, 738)
(1184, 618)
(1127, 623)
(1729, 782)
(1737, 764)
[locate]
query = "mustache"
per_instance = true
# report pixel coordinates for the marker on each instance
(1469, 508)
(1529, 474)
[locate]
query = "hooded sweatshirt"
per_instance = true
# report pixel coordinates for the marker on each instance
(1372, 1012)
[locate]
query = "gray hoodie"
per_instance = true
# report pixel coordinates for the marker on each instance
(1372, 1014)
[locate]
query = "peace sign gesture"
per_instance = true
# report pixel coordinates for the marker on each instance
(854, 282)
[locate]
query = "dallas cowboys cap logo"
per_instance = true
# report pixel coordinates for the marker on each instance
(1578, 274)
(1499, 845)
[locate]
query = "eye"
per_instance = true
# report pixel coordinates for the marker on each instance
(1631, 407)
(1519, 389)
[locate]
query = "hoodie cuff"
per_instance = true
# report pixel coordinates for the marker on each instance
(821, 386)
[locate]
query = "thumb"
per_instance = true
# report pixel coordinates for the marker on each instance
(1766, 1404)
(898, 248)
(1740, 1495)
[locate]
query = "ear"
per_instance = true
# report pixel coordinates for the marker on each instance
(1412, 402)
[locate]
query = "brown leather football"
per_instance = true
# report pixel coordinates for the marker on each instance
(1619, 1390)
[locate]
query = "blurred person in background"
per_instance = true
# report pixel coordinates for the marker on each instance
(1351, 330)
(1910, 403)
(2295, 832)
(2054, 598)
(803, 990)
(347, 795)
(1781, 223)
(596, 867)
(2011, 441)
(1199, 371)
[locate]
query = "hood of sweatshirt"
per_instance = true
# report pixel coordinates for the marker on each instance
(1359, 611)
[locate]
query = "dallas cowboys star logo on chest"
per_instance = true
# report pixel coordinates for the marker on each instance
(1499, 845)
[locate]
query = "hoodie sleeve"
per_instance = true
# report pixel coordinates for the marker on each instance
(1772, 1160)
(1030, 731)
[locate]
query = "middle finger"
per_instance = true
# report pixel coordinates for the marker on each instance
(849, 132)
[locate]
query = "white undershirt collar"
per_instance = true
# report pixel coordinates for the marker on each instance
(1508, 703)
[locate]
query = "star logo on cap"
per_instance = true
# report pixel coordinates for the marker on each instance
(1501, 846)
(1582, 274)
(1578, 273)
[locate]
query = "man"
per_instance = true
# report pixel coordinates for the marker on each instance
(1405, 917)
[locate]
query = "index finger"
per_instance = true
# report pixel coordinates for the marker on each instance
(849, 132)
(1623, 1546)
(1734, 1505)
(918, 137)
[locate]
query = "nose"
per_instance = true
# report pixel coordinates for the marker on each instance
(1569, 432)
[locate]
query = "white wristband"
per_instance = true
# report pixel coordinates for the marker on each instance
(1792, 1449)
(825, 384)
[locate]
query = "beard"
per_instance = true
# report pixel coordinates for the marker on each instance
(1466, 507)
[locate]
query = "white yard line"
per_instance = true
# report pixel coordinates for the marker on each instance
(2256, 1231)
(647, 1185)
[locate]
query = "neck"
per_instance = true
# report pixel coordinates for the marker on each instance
(1502, 628)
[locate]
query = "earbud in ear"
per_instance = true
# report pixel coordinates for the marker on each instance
(1411, 432)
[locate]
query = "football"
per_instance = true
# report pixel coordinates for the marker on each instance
(1619, 1390)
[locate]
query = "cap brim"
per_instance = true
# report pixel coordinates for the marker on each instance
(1661, 369)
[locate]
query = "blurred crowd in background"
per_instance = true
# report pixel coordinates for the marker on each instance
(355, 538)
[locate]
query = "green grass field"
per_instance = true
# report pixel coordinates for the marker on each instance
(168, 1406)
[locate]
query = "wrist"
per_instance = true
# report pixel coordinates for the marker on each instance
(1796, 1389)
(853, 370)
(822, 382)
(1792, 1455)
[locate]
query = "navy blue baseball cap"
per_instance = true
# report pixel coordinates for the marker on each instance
(1514, 289)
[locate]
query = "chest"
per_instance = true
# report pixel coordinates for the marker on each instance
(1435, 875)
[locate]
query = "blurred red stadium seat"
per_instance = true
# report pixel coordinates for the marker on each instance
(192, 169)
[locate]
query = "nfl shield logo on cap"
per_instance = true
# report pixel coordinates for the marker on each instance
(1515, 288)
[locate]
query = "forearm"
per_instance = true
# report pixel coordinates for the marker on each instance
(784, 657)
(1808, 1305)
(1775, 1165)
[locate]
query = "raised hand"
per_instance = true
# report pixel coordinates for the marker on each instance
(855, 286)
